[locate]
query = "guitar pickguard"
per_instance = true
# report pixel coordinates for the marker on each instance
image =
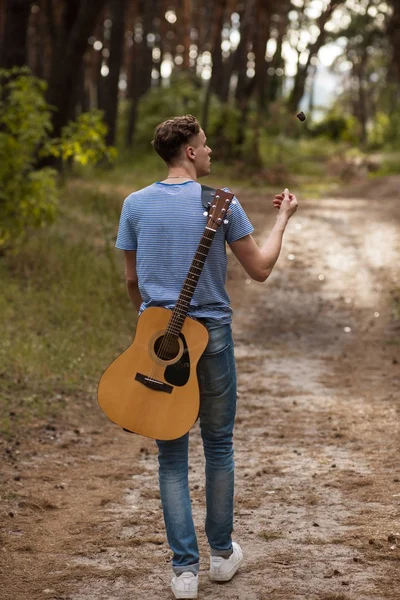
(178, 373)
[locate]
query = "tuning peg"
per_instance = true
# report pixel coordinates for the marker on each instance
(205, 213)
(226, 221)
(233, 201)
(217, 197)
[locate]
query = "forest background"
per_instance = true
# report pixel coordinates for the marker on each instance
(82, 86)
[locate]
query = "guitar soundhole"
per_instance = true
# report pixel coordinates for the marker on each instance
(167, 347)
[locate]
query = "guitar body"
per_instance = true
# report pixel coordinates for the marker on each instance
(152, 396)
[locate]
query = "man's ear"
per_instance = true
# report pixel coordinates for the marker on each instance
(190, 153)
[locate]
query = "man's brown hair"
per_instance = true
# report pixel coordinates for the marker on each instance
(172, 134)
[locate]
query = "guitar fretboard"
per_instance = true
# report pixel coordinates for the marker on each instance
(182, 306)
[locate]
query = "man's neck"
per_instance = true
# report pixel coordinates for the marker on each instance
(181, 174)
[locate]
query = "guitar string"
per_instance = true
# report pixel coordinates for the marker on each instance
(168, 336)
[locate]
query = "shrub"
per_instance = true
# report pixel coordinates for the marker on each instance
(337, 126)
(28, 193)
(183, 96)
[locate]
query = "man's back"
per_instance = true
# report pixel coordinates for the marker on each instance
(163, 223)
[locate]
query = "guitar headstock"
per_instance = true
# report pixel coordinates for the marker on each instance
(218, 209)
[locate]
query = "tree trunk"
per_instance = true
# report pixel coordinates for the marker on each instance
(275, 81)
(100, 83)
(302, 71)
(13, 50)
(245, 86)
(111, 89)
(142, 64)
(360, 107)
(186, 34)
(394, 34)
(215, 36)
(263, 18)
(78, 21)
(246, 31)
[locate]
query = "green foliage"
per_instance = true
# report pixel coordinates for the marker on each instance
(289, 161)
(27, 197)
(279, 121)
(54, 347)
(223, 129)
(83, 141)
(28, 194)
(389, 164)
(381, 128)
(337, 126)
(182, 96)
(385, 132)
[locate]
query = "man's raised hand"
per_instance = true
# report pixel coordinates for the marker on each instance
(286, 203)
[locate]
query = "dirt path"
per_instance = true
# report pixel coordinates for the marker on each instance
(317, 442)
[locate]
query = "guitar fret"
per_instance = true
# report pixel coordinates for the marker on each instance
(181, 317)
(176, 327)
(182, 305)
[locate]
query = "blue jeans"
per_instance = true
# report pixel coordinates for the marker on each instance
(217, 380)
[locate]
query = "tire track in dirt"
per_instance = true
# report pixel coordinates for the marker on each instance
(318, 480)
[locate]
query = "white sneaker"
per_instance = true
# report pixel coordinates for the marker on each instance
(185, 585)
(223, 569)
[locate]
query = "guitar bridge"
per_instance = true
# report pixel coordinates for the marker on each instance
(154, 384)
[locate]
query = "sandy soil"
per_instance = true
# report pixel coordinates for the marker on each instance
(317, 439)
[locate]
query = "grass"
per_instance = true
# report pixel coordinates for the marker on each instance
(64, 310)
(269, 536)
(390, 163)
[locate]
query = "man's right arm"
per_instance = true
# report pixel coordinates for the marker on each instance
(259, 262)
(131, 278)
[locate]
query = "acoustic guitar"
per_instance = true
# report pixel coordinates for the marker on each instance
(151, 389)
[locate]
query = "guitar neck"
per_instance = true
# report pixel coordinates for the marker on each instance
(182, 306)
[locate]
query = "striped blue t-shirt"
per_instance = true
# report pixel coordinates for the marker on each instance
(164, 224)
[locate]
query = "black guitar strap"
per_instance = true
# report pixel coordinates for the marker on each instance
(207, 195)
